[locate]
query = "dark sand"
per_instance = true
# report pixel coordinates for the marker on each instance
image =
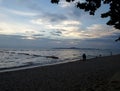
(98, 74)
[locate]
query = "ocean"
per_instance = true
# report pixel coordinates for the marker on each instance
(20, 58)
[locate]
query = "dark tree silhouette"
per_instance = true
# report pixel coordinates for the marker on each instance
(92, 5)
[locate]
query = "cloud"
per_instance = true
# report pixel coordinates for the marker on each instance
(66, 24)
(90, 32)
(67, 28)
(18, 12)
(98, 30)
(64, 4)
(8, 28)
(55, 17)
(18, 41)
(62, 29)
(59, 22)
(23, 13)
(72, 29)
(56, 33)
(51, 17)
(38, 35)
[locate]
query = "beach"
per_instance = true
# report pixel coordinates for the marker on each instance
(96, 74)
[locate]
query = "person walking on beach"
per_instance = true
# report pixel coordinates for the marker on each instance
(84, 57)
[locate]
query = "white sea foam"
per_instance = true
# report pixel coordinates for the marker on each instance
(15, 59)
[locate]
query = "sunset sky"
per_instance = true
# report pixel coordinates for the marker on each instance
(38, 23)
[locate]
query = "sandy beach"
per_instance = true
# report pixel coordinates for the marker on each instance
(97, 74)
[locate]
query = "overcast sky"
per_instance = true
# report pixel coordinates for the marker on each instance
(38, 23)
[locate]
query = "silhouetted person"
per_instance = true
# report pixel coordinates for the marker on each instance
(84, 57)
(100, 55)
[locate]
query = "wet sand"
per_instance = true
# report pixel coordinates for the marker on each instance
(97, 74)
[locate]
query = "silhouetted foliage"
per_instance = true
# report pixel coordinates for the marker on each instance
(92, 5)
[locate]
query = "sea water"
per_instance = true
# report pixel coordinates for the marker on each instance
(17, 58)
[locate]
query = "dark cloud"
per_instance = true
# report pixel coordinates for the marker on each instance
(61, 30)
(10, 36)
(15, 41)
(38, 35)
(52, 17)
(104, 42)
(56, 33)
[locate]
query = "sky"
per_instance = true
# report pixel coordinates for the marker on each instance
(41, 24)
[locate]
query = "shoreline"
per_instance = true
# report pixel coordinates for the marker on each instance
(91, 75)
(31, 66)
